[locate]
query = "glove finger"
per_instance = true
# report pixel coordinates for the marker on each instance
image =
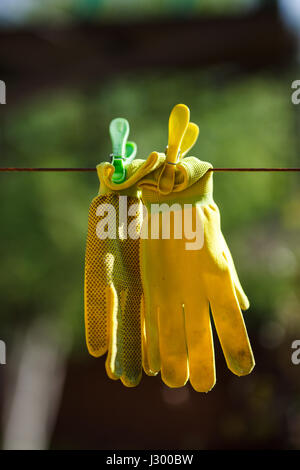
(124, 359)
(114, 362)
(98, 307)
(97, 295)
(131, 338)
(145, 359)
(172, 344)
(152, 338)
(230, 324)
(242, 298)
(200, 344)
(127, 273)
(125, 355)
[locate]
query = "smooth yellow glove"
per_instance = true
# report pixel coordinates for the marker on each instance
(113, 290)
(182, 285)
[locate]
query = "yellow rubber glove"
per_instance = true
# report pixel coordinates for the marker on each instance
(113, 290)
(181, 285)
(190, 131)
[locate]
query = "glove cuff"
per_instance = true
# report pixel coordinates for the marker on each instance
(192, 179)
(135, 171)
(191, 170)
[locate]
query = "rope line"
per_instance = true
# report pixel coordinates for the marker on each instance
(10, 169)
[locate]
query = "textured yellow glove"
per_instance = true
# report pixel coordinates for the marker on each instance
(181, 284)
(113, 290)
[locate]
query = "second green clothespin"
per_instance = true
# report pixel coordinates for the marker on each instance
(123, 152)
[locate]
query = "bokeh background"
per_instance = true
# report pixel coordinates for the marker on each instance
(70, 66)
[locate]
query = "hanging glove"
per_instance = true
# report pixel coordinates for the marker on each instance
(113, 290)
(183, 280)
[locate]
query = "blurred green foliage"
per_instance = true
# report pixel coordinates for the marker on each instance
(65, 11)
(244, 122)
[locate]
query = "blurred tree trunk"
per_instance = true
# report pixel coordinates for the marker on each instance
(33, 390)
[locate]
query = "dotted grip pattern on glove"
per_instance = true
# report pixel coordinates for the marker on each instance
(113, 294)
(113, 290)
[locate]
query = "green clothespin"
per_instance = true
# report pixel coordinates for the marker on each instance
(123, 152)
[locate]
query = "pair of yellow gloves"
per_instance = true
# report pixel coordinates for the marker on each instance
(151, 279)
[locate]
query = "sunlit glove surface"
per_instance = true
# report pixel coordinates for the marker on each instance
(181, 285)
(113, 290)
